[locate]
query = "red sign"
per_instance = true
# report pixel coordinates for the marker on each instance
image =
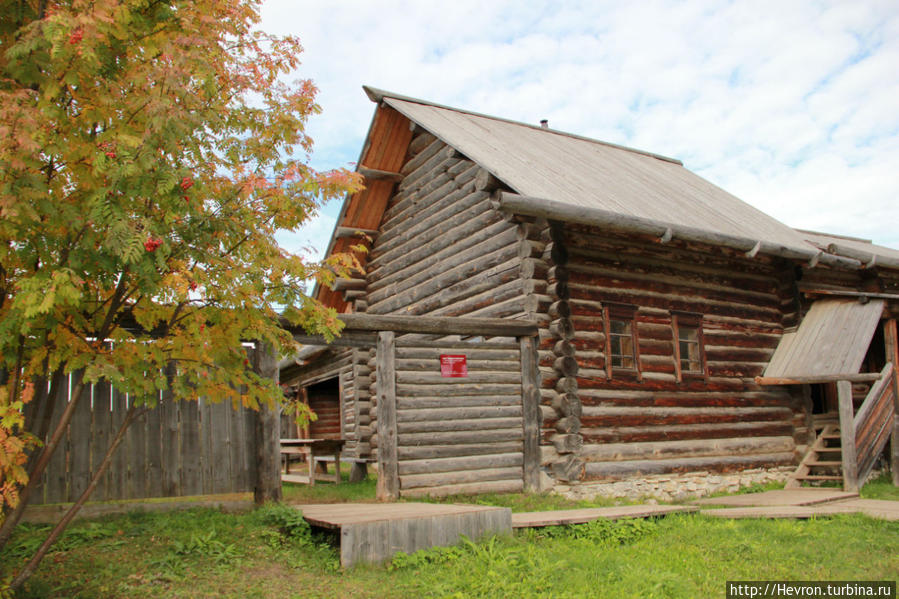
(453, 366)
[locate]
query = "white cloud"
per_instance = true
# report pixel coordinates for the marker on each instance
(791, 106)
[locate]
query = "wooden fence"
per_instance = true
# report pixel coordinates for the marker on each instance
(178, 448)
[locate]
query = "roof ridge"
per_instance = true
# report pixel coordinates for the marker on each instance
(377, 95)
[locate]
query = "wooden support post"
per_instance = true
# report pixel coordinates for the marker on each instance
(891, 338)
(388, 468)
(530, 410)
(847, 437)
(267, 486)
(809, 407)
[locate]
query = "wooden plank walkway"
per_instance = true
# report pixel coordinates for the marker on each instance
(876, 508)
(779, 497)
(564, 517)
(374, 532)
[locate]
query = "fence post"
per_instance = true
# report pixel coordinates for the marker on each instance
(388, 468)
(847, 436)
(267, 486)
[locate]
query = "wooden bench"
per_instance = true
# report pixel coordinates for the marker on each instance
(311, 449)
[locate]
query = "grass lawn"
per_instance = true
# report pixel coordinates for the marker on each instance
(272, 553)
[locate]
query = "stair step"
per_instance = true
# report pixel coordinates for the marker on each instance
(817, 477)
(829, 436)
(823, 463)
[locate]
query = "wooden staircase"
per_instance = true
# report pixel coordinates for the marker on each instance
(823, 461)
(868, 423)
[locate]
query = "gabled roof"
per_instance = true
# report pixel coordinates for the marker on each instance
(570, 177)
(586, 173)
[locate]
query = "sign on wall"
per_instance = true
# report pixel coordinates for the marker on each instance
(453, 365)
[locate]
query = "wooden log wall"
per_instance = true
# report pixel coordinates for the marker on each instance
(653, 423)
(457, 435)
(324, 401)
(441, 250)
(178, 448)
(350, 367)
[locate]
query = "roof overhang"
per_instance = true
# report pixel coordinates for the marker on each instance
(830, 343)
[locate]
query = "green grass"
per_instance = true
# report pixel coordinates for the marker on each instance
(880, 488)
(271, 553)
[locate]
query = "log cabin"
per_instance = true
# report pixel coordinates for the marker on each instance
(678, 330)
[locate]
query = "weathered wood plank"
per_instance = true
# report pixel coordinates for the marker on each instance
(388, 476)
(530, 398)
(847, 435)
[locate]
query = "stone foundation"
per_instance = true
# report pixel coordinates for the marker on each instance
(673, 487)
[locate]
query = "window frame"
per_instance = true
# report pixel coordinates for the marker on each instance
(691, 320)
(628, 314)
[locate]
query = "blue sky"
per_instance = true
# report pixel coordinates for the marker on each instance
(791, 106)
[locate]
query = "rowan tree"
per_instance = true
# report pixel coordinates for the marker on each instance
(149, 152)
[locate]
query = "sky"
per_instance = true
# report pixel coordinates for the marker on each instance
(791, 105)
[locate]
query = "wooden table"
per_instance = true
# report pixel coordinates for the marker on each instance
(310, 448)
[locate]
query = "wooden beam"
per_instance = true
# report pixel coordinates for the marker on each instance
(555, 210)
(530, 398)
(344, 284)
(865, 377)
(811, 291)
(346, 339)
(354, 232)
(847, 437)
(891, 339)
(388, 466)
(437, 325)
(375, 174)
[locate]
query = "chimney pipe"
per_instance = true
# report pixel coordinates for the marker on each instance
(544, 123)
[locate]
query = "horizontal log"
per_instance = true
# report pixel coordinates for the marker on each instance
(804, 380)
(637, 434)
(345, 339)
(458, 389)
(433, 325)
(479, 462)
(457, 450)
(414, 481)
(459, 413)
(457, 425)
(461, 437)
(475, 351)
(419, 402)
(342, 232)
(421, 140)
(408, 377)
(473, 365)
(614, 416)
(423, 156)
(610, 452)
(345, 284)
(479, 488)
(618, 470)
(374, 174)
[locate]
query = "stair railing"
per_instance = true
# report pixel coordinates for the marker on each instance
(864, 434)
(873, 422)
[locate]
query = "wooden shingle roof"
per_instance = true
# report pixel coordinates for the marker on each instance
(584, 173)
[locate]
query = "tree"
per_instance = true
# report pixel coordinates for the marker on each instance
(149, 152)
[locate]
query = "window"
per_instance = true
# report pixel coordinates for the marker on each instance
(622, 351)
(689, 358)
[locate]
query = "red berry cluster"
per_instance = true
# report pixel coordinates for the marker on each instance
(186, 183)
(152, 243)
(76, 36)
